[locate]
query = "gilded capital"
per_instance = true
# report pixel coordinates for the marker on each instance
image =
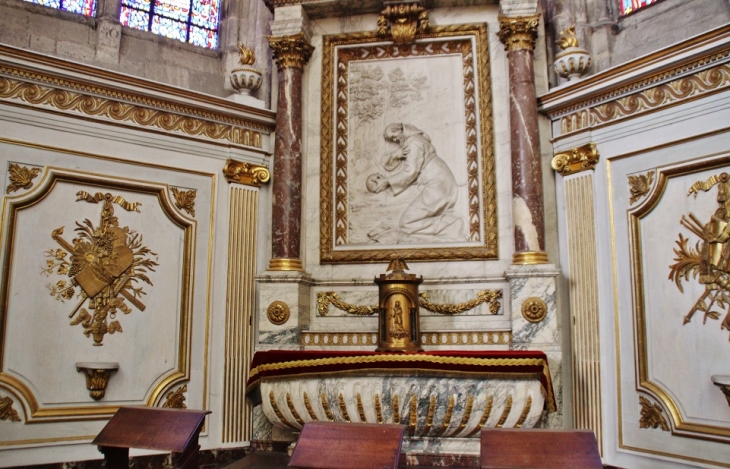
(249, 174)
(576, 159)
(291, 51)
(519, 32)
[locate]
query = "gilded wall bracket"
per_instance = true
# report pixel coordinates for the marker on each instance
(576, 159)
(240, 172)
(403, 21)
(21, 177)
(97, 376)
(723, 382)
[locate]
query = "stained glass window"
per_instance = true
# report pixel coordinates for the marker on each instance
(82, 7)
(193, 21)
(630, 6)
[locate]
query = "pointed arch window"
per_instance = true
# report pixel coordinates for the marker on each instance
(630, 6)
(191, 21)
(81, 7)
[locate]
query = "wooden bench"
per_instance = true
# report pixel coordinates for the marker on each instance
(329, 445)
(174, 430)
(539, 449)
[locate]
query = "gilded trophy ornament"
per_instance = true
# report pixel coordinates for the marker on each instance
(97, 377)
(184, 200)
(576, 159)
(403, 21)
(21, 177)
(709, 260)
(534, 309)
(278, 312)
(6, 410)
(398, 325)
(249, 174)
(176, 399)
(651, 415)
(104, 262)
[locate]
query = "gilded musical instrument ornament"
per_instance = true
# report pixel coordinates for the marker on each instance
(709, 260)
(21, 177)
(640, 185)
(97, 377)
(184, 200)
(534, 309)
(278, 312)
(104, 262)
(176, 399)
(651, 415)
(402, 22)
(6, 410)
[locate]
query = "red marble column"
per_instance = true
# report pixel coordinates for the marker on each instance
(518, 35)
(291, 54)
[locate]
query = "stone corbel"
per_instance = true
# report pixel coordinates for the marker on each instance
(402, 21)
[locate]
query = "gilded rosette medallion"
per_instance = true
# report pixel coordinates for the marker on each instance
(103, 268)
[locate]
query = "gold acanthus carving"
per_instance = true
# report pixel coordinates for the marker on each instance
(21, 177)
(650, 98)
(651, 415)
(278, 312)
(534, 309)
(240, 172)
(184, 200)
(176, 399)
(104, 262)
(6, 410)
(576, 159)
(291, 51)
(518, 33)
(402, 22)
(97, 377)
(118, 110)
(640, 185)
(708, 261)
(324, 299)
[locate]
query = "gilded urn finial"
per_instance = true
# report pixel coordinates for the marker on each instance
(568, 38)
(245, 78)
(573, 62)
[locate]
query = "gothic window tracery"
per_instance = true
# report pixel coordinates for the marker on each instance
(192, 21)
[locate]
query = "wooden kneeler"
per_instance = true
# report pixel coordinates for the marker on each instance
(174, 430)
(328, 445)
(539, 449)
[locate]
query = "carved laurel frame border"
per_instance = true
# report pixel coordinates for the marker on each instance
(472, 41)
(34, 412)
(679, 424)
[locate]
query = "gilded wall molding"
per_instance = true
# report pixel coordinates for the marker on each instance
(176, 399)
(21, 177)
(249, 174)
(44, 90)
(291, 51)
(576, 159)
(518, 33)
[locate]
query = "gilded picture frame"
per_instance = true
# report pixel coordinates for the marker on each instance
(407, 152)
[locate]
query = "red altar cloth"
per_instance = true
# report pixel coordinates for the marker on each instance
(483, 364)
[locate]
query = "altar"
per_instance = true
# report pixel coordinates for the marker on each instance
(443, 397)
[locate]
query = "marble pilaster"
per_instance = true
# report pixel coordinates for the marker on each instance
(519, 34)
(291, 53)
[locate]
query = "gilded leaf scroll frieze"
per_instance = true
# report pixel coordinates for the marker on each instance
(21, 177)
(184, 200)
(640, 185)
(102, 265)
(324, 299)
(176, 399)
(651, 415)
(6, 410)
(709, 260)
